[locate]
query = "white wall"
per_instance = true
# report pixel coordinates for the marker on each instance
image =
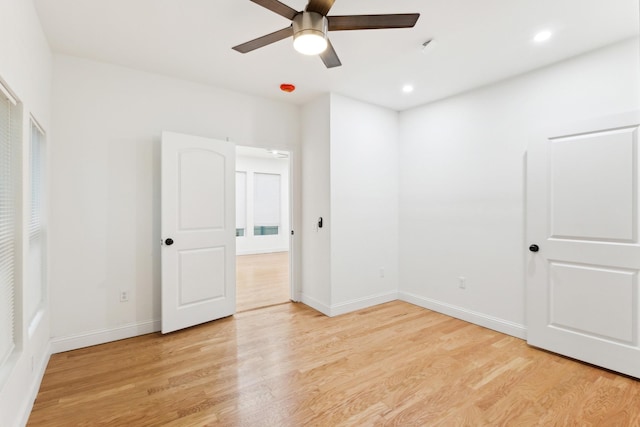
(315, 289)
(350, 179)
(25, 67)
(462, 178)
(364, 204)
(250, 244)
(105, 186)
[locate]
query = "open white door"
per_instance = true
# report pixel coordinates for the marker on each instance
(198, 230)
(582, 214)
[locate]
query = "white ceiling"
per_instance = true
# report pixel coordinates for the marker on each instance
(476, 42)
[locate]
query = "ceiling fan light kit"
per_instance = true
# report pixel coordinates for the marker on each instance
(309, 28)
(310, 33)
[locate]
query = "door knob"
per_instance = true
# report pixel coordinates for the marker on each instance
(534, 248)
(168, 242)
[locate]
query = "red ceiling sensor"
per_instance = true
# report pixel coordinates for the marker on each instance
(287, 87)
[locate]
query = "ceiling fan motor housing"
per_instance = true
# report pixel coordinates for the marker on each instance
(309, 28)
(310, 24)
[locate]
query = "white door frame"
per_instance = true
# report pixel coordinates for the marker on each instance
(294, 195)
(295, 202)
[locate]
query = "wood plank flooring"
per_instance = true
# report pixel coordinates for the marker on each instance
(262, 280)
(288, 365)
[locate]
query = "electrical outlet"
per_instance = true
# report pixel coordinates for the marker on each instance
(462, 282)
(124, 296)
(382, 272)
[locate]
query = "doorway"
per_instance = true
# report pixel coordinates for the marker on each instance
(262, 227)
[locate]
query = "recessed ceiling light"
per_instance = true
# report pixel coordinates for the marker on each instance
(407, 88)
(542, 36)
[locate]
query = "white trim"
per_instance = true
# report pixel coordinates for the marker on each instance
(102, 336)
(35, 322)
(315, 304)
(500, 325)
(361, 303)
(8, 365)
(34, 388)
(295, 297)
(6, 93)
(294, 293)
(37, 125)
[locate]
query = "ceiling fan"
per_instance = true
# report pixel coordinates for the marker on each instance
(309, 28)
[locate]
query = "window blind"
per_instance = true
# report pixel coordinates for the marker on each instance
(266, 199)
(9, 151)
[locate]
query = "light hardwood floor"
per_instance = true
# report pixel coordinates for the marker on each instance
(262, 280)
(288, 365)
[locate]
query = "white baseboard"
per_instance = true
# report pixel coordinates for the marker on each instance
(62, 344)
(500, 325)
(34, 388)
(349, 306)
(73, 342)
(360, 303)
(315, 304)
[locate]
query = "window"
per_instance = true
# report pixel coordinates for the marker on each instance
(266, 204)
(241, 203)
(265, 231)
(10, 128)
(35, 284)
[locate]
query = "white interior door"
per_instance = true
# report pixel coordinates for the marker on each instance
(582, 213)
(198, 230)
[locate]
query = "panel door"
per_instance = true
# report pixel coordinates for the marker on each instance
(198, 230)
(582, 214)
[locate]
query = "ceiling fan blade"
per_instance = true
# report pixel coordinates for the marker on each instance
(277, 7)
(330, 57)
(264, 40)
(320, 6)
(372, 22)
